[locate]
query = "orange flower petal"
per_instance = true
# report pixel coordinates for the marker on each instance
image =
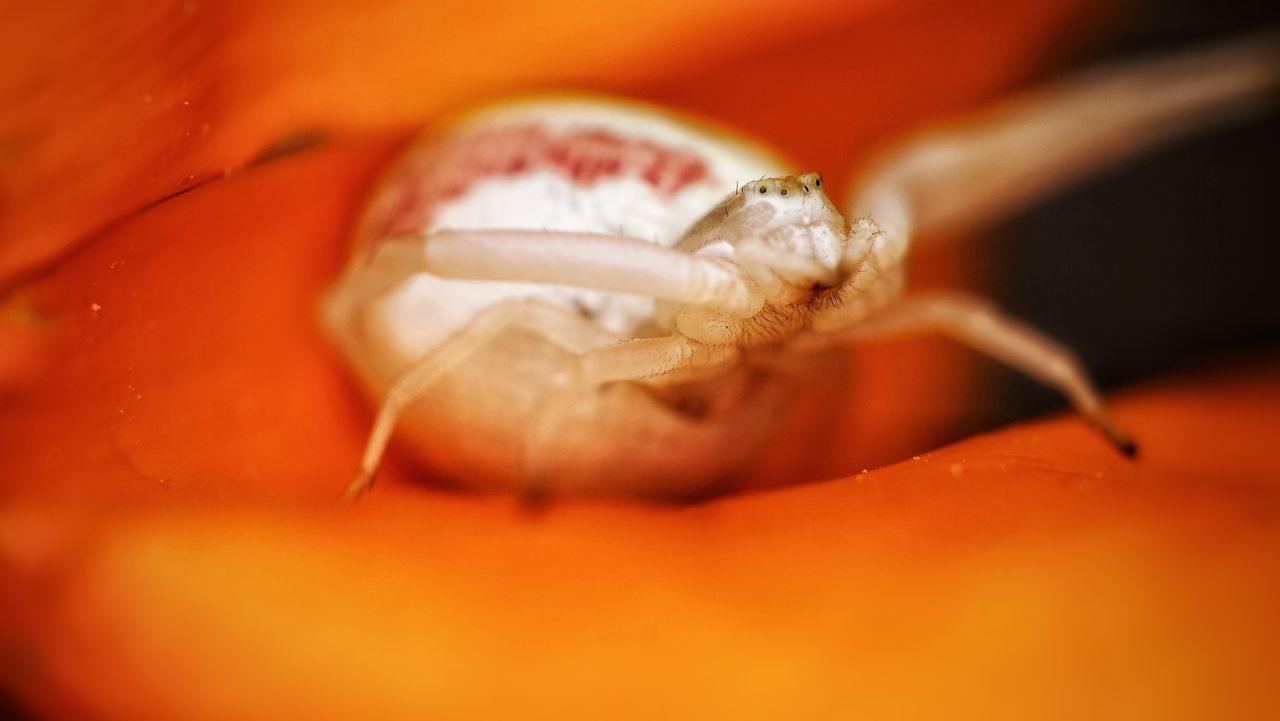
(110, 108)
(189, 358)
(1030, 571)
(168, 543)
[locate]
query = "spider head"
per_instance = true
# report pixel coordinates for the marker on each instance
(793, 198)
(796, 231)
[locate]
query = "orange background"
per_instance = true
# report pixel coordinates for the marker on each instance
(173, 429)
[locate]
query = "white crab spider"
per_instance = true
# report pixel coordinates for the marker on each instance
(528, 307)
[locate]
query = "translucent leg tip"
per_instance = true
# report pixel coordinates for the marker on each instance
(357, 487)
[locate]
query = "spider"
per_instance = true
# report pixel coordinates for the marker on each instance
(540, 301)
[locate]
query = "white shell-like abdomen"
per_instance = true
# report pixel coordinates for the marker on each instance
(562, 164)
(575, 165)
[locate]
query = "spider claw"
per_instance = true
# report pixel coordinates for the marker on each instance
(358, 486)
(1129, 448)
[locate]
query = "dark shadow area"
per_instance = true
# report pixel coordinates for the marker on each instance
(1168, 262)
(9, 709)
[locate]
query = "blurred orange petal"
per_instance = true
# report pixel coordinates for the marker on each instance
(1026, 574)
(110, 107)
(168, 543)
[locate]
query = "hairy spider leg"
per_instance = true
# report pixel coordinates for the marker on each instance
(980, 326)
(1017, 151)
(1007, 156)
(589, 260)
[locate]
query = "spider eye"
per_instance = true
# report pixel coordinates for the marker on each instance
(763, 190)
(782, 192)
(817, 183)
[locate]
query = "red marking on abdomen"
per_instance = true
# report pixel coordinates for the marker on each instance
(449, 168)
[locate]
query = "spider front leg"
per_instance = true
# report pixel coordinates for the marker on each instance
(970, 172)
(584, 260)
(1004, 157)
(978, 325)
